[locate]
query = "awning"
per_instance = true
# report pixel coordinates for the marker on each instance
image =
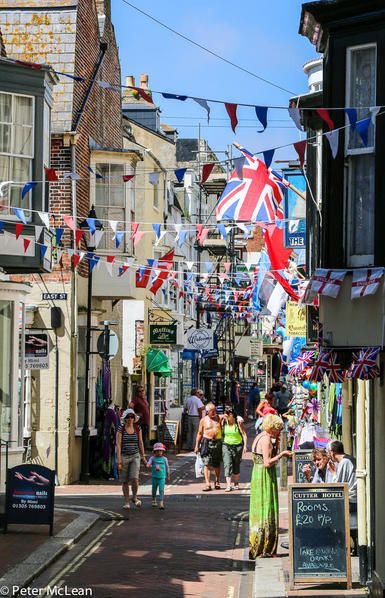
(157, 362)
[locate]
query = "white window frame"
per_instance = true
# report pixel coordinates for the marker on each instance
(92, 375)
(355, 260)
(126, 247)
(11, 155)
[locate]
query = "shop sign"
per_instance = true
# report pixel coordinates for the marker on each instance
(160, 316)
(30, 495)
(256, 349)
(36, 351)
(163, 334)
(295, 320)
(199, 339)
(295, 211)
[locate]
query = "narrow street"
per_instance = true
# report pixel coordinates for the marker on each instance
(196, 547)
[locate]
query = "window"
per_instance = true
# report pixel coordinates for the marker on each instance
(81, 387)
(6, 359)
(110, 201)
(16, 144)
(360, 93)
(160, 401)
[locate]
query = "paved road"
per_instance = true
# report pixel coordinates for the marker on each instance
(196, 547)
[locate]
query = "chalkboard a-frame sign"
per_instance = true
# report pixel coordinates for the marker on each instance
(301, 458)
(319, 534)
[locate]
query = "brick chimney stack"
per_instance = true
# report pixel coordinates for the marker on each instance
(104, 8)
(144, 81)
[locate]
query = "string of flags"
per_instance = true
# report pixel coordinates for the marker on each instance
(326, 282)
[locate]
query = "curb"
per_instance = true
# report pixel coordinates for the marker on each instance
(50, 551)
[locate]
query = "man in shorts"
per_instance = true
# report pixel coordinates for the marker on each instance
(209, 444)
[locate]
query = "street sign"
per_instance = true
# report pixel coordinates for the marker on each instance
(54, 296)
(319, 533)
(113, 347)
(199, 339)
(30, 495)
(36, 350)
(163, 334)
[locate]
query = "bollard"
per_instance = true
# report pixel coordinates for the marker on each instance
(283, 462)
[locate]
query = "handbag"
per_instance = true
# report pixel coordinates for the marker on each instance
(204, 447)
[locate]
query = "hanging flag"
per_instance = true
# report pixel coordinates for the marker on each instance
(122, 269)
(261, 112)
(204, 105)
(145, 94)
(26, 243)
(364, 366)
(109, 263)
(320, 366)
(324, 282)
(238, 166)
(199, 228)
(203, 236)
(69, 222)
(162, 234)
(179, 173)
(91, 224)
(44, 217)
(182, 237)
(352, 115)
(232, 112)
(74, 176)
(75, 260)
(113, 224)
(295, 115)
(20, 214)
(279, 257)
(268, 156)
(324, 114)
(334, 370)
(27, 188)
(246, 230)
(43, 251)
(366, 281)
(92, 260)
(50, 174)
(153, 178)
(374, 110)
(189, 265)
(206, 171)
(164, 264)
(173, 96)
(38, 231)
(119, 236)
(127, 177)
(78, 236)
(222, 230)
(333, 139)
(59, 233)
(156, 229)
(363, 130)
(300, 148)
(257, 197)
(134, 229)
(18, 229)
(138, 237)
(227, 266)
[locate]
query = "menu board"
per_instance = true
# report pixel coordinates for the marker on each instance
(319, 534)
(301, 458)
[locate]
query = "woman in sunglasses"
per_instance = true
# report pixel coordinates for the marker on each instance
(129, 451)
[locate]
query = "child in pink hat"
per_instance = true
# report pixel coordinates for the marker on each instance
(160, 471)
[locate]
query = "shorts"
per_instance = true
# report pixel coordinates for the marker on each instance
(232, 457)
(130, 467)
(212, 454)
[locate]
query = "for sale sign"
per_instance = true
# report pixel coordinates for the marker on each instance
(37, 351)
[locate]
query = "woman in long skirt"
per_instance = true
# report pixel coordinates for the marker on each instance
(264, 510)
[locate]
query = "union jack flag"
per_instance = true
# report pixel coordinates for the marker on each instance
(320, 367)
(334, 370)
(364, 365)
(255, 197)
(300, 364)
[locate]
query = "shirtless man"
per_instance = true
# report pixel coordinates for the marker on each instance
(209, 443)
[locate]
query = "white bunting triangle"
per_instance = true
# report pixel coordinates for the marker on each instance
(333, 139)
(113, 224)
(44, 217)
(98, 234)
(162, 234)
(38, 231)
(109, 266)
(189, 265)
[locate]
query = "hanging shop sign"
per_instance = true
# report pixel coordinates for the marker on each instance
(163, 334)
(295, 211)
(36, 348)
(199, 339)
(295, 320)
(30, 495)
(312, 323)
(256, 349)
(160, 316)
(108, 344)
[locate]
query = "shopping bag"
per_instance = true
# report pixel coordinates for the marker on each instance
(198, 466)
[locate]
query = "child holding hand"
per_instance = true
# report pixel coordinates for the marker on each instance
(160, 471)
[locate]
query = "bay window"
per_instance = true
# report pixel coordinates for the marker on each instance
(360, 205)
(110, 202)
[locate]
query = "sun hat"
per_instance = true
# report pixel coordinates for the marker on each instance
(158, 446)
(130, 412)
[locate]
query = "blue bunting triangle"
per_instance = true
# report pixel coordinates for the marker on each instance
(43, 250)
(20, 214)
(268, 156)
(118, 238)
(352, 115)
(179, 173)
(173, 96)
(182, 237)
(59, 233)
(27, 187)
(261, 112)
(156, 228)
(91, 225)
(93, 260)
(222, 230)
(363, 130)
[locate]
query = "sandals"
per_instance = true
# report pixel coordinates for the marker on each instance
(137, 502)
(154, 503)
(228, 489)
(217, 486)
(126, 506)
(206, 489)
(236, 487)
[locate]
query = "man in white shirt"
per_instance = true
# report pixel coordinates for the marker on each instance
(194, 409)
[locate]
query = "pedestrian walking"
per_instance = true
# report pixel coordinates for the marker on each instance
(160, 472)
(234, 446)
(194, 409)
(209, 444)
(253, 399)
(264, 509)
(283, 399)
(129, 452)
(141, 407)
(264, 408)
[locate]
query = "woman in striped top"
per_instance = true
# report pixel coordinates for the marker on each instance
(129, 450)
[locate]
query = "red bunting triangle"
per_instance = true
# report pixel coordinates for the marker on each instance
(78, 236)
(199, 228)
(123, 269)
(207, 170)
(300, 148)
(232, 112)
(27, 243)
(69, 222)
(50, 174)
(76, 260)
(324, 114)
(19, 227)
(127, 177)
(110, 258)
(144, 94)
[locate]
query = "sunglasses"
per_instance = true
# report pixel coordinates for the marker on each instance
(130, 417)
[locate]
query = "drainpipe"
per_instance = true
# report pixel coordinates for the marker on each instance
(74, 300)
(361, 474)
(346, 416)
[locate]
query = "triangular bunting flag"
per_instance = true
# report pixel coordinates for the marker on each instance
(295, 115)
(222, 230)
(189, 265)
(324, 114)
(179, 173)
(182, 237)
(300, 148)
(20, 214)
(203, 103)
(127, 177)
(203, 236)
(69, 222)
(153, 178)
(261, 112)
(78, 236)
(50, 174)
(27, 187)
(138, 237)
(43, 251)
(352, 115)
(38, 231)
(268, 156)
(59, 233)
(363, 130)
(333, 139)
(206, 171)
(199, 228)
(113, 224)
(156, 228)
(119, 236)
(44, 217)
(162, 234)
(109, 263)
(134, 229)
(98, 235)
(232, 112)
(75, 260)
(374, 110)
(91, 224)
(74, 176)
(172, 96)
(26, 243)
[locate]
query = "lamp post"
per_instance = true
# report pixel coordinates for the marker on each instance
(85, 458)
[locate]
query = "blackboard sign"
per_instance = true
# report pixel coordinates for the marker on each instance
(301, 458)
(168, 432)
(319, 533)
(30, 495)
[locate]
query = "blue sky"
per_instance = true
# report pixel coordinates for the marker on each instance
(260, 36)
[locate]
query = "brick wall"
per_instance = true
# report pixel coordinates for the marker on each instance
(257, 242)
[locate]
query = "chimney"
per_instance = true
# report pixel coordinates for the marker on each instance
(144, 81)
(129, 94)
(130, 81)
(104, 8)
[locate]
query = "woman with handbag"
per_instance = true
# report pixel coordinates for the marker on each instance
(234, 446)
